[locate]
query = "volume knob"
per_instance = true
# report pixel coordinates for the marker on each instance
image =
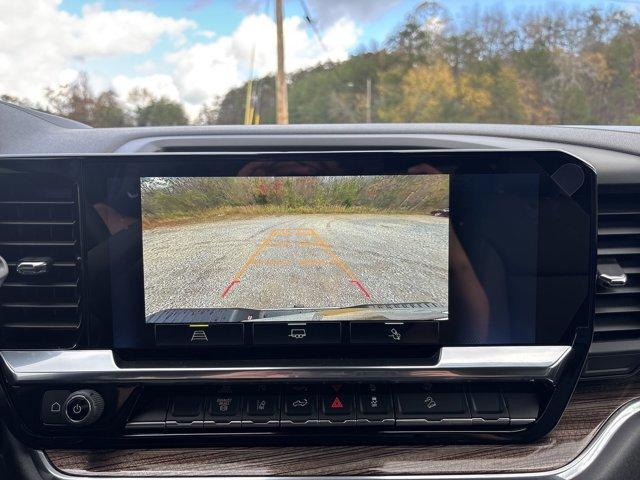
(83, 407)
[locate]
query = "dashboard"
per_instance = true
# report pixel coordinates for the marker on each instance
(429, 301)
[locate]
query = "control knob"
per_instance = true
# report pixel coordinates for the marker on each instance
(83, 407)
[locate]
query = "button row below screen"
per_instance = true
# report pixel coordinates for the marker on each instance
(430, 405)
(298, 333)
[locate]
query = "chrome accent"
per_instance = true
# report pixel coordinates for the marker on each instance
(518, 422)
(423, 422)
(4, 270)
(580, 465)
(468, 363)
(610, 274)
(66, 403)
(194, 425)
(502, 421)
(252, 423)
(305, 423)
(347, 422)
(34, 266)
(365, 422)
(216, 424)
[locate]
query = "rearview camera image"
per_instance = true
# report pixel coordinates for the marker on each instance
(335, 247)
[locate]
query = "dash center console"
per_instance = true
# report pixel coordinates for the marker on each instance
(376, 296)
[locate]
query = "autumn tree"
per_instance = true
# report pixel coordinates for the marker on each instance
(77, 101)
(109, 112)
(74, 100)
(150, 110)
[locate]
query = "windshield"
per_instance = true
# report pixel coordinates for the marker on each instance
(120, 63)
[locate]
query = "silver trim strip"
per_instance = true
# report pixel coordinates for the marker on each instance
(579, 466)
(469, 363)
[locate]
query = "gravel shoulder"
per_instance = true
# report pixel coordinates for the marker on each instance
(297, 260)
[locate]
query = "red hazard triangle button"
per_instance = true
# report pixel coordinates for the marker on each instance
(337, 403)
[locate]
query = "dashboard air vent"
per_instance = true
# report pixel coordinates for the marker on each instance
(616, 341)
(39, 239)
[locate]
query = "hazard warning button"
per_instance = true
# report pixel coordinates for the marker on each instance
(337, 401)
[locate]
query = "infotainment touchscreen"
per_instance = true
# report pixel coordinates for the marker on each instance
(404, 250)
(324, 247)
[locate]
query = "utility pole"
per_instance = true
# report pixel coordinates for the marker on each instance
(368, 119)
(282, 106)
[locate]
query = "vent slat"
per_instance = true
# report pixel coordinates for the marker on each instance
(613, 251)
(602, 309)
(618, 205)
(41, 222)
(39, 305)
(46, 326)
(616, 342)
(616, 323)
(39, 218)
(626, 290)
(44, 203)
(38, 244)
(620, 230)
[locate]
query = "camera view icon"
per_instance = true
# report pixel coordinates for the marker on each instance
(199, 336)
(395, 335)
(298, 333)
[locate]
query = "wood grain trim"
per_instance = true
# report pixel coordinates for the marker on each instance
(590, 406)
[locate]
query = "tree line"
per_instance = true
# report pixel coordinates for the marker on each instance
(204, 198)
(552, 65)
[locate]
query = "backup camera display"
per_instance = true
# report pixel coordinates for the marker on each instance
(338, 247)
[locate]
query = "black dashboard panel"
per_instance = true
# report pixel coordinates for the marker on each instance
(613, 153)
(536, 209)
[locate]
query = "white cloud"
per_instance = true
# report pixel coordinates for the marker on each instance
(205, 71)
(43, 46)
(105, 33)
(159, 85)
(39, 41)
(207, 34)
(148, 66)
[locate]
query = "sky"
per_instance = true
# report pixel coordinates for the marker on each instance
(192, 51)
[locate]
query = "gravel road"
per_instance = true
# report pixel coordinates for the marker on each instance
(297, 260)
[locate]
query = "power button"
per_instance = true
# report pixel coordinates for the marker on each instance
(83, 407)
(78, 408)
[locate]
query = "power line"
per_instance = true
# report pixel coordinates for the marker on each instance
(312, 24)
